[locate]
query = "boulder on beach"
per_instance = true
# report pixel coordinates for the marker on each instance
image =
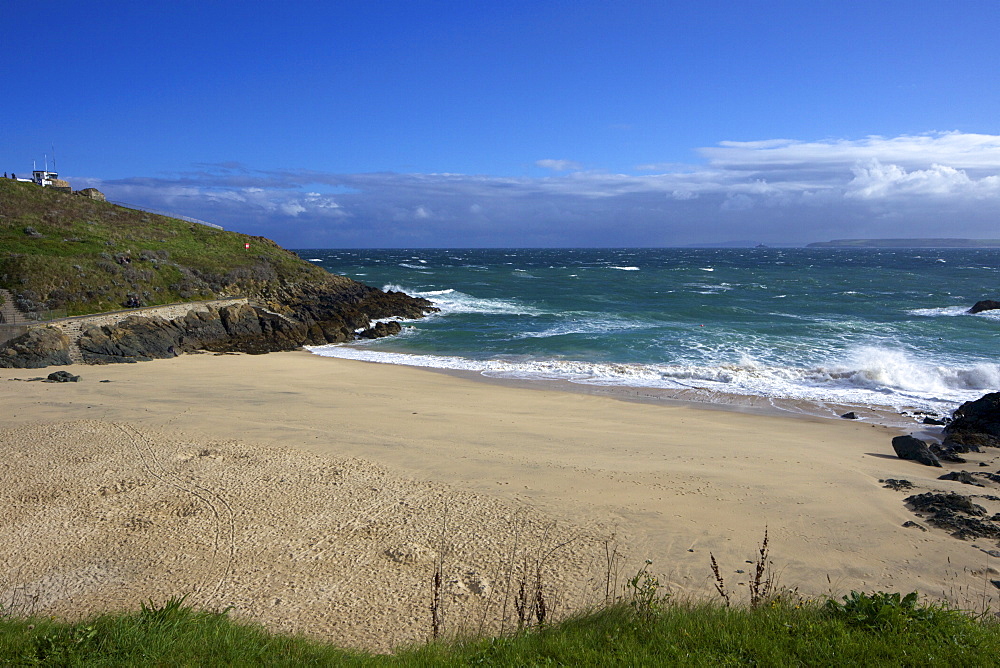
(908, 447)
(62, 377)
(963, 477)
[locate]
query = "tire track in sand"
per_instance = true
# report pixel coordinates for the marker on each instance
(225, 521)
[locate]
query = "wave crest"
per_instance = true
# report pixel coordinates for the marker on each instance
(454, 301)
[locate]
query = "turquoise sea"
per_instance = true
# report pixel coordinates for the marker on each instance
(821, 327)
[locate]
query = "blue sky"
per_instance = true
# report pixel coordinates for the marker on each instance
(440, 124)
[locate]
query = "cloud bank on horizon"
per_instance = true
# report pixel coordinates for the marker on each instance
(775, 191)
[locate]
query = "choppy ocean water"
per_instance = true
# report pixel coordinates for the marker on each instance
(865, 328)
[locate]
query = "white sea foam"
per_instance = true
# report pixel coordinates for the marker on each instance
(625, 268)
(708, 289)
(591, 324)
(315, 259)
(949, 311)
(410, 266)
(867, 377)
(453, 301)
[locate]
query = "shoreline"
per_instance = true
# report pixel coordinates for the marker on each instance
(337, 473)
(886, 416)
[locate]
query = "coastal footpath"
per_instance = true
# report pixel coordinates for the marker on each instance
(183, 287)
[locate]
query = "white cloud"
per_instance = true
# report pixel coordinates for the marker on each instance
(792, 191)
(559, 165)
(292, 208)
(959, 150)
(875, 180)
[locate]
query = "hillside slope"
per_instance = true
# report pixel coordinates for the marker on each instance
(62, 251)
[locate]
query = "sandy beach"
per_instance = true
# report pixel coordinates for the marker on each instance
(316, 495)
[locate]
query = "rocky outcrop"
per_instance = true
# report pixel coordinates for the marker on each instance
(314, 313)
(969, 441)
(954, 513)
(250, 329)
(35, 349)
(381, 329)
(981, 417)
(984, 305)
(92, 193)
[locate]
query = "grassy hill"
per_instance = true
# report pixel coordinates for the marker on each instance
(60, 251)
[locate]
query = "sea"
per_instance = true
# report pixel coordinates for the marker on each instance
(883, 332)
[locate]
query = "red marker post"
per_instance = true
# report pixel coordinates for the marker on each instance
(247, 246)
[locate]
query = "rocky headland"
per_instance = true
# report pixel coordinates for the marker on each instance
(83, 258)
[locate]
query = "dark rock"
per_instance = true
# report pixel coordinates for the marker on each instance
(984, 305)
(963, 477)
(935, 421)
(955, 513)
(910, 523)
(908, 447)
(35, 349)
(381, 329)
(933, 502)
(134, 339)
(897, 485)
(946, 454)
(850, 416)
(967, 441)
(981, 416)
(62, 377)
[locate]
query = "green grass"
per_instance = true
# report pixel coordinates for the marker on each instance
(780, 634)
(62, 251)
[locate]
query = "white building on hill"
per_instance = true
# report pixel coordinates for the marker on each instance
(43, 177)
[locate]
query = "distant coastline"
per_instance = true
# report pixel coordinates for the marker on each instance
(907, 243)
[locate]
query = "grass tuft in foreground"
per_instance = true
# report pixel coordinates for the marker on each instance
(866, 629)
